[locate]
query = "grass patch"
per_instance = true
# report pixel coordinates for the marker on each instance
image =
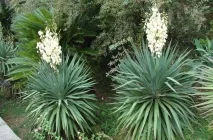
(201, 131)
(13, 113)
(106, 120)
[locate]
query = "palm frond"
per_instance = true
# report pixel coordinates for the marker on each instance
(22, 68)
(26, 27)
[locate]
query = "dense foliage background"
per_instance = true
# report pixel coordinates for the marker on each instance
(118, 19)
(103, 43)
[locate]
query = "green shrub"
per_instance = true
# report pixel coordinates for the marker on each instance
(119, 21)
(122, 18)
(74, 37)
(43, 132)
(7, 51)
(97, 136)
(76, 20)
(205, 90)
(5, 18)
(153, 95)
(62, 97)
(78, 33)
(205, 49)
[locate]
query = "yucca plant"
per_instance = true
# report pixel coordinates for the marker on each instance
(205, 49)
(62, 97)
(26, 27)
(205, 90)
(154, 95)
(7, 51)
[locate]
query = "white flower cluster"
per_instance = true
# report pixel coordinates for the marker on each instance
(49, 47)
(156, 30)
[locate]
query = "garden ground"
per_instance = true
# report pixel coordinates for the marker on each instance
(13, 113)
